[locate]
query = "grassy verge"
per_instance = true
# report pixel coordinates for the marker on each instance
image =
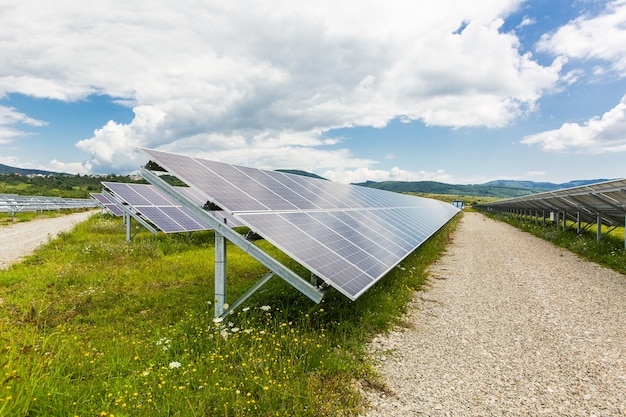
(93, 326)
(609, 252)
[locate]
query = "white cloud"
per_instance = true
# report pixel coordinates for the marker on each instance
(601, 37)
(68, 168)
(597, 135)
(114, 146)
(268, 76)
(527, 21)
(395, 174)
(9, 117)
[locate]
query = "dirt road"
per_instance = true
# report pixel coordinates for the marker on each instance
(22, 239)
(512, 326)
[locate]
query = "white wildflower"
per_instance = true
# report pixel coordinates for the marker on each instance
(265, 308)
(175, 365)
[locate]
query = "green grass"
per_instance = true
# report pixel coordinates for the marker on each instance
(609, 252)
(91, 325)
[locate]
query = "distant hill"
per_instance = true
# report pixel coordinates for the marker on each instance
(499, 188)
(6, 169)
(543, 186)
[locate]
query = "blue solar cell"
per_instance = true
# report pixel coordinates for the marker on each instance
(151, 204)
(350, 236)
(108, 204)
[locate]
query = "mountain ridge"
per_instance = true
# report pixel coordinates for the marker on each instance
(7, 169)
(497, 188)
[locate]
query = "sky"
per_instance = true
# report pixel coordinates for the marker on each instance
(353, 90)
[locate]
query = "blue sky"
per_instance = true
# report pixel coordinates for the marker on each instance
(460, 92)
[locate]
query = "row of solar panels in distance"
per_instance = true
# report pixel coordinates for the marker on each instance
(16, 203)
(607, 198)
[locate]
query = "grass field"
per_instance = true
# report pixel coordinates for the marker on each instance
(91, 325)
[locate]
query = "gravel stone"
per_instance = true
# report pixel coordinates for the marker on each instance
(510, 326)
(21, 239)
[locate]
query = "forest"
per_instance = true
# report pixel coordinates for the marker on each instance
(68, 186)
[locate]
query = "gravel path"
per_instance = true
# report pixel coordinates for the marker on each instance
(21, 239)
(512, 326)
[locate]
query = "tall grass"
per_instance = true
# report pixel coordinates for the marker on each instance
(94, 326)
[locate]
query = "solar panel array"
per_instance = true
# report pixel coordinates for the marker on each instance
(108, 204)
(349, 236)
(13, 203)
(167, 215)
(606, 198)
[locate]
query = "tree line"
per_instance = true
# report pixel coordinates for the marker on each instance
(68, 186)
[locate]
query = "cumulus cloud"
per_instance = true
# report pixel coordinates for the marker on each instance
(527, 21)
(9, 118)
(602, 37)
(395, 174)
(269, 76)
(601, 40)
(597, 135)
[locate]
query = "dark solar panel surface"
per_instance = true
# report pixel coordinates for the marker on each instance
(152, 205)
(108, 204)
(350, 236)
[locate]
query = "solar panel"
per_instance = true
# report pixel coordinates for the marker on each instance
(106, 203)
(13, 203)
(350, 236)
(608, 199)
(152, 205)
(167, 215)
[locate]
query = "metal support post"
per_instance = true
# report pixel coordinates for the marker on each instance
(599, 232)
(315, 294)
(578, 222)
(128, 226)
(558, 221)
(220, 274)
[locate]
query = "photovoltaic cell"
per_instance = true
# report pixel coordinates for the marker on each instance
(349, 236)
(166, 214)
(105, 202)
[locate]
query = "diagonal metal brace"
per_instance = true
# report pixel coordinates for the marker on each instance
(240, 241)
